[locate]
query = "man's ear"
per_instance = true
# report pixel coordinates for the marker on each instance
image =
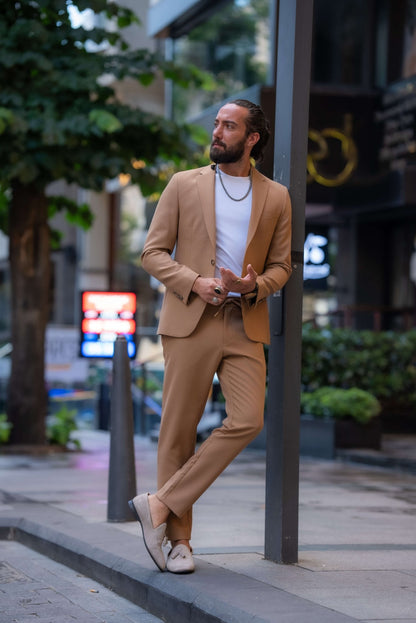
(253, 138)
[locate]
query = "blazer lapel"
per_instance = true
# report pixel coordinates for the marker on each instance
(206, 189)
(260, 189)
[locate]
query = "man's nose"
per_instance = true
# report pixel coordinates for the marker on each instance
(216, 133)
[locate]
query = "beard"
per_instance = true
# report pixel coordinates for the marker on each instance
(220, 153)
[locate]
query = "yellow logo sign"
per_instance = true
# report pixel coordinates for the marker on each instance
(324, 141)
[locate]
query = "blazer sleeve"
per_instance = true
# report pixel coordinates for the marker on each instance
(157, 256)
(277, 266)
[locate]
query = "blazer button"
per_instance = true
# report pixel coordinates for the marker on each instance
(212, 262)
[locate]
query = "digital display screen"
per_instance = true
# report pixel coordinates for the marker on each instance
(106, 315)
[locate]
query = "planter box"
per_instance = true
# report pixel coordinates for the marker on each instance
(352, 435)
(317, 437)
(321, 438)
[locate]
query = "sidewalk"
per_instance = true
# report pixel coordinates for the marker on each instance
(357, 539)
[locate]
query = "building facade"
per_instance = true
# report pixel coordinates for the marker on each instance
(360, 239)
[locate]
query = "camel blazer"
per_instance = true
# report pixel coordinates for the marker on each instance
(180, 246)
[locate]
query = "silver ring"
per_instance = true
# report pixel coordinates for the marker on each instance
(217, 290)
(215, 300)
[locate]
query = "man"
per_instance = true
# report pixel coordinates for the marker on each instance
(220, 243)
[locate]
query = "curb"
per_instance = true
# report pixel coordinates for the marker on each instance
(377, 460)
(129, 580)
(212, 595)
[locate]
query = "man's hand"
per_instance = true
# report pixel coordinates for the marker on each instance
(210, 290)
(243, 285)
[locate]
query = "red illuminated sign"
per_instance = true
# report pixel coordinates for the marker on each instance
(105, 315)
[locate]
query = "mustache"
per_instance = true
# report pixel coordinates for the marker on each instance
(219, 143)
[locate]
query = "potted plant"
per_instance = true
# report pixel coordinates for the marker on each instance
(381, 362)
(333, 418)
(60, 427)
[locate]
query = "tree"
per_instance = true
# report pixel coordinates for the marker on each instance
(59, 120)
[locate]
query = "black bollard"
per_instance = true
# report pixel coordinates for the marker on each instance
(122, 471)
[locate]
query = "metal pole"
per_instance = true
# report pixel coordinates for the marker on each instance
(122, 471)
(291, 131)
(143, 419)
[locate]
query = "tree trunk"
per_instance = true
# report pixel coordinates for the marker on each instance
(30, 267)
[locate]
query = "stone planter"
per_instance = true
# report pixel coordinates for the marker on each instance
(321, 438)
(317, 437)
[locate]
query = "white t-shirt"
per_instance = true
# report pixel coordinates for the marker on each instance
(232, 219)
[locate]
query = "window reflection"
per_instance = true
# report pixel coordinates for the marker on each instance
(340, 42)
(233, 44)
(409, 52)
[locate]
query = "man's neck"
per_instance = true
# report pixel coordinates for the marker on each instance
(237, 169)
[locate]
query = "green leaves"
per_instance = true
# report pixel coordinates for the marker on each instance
(79, 215)
(198, 134)
(61, 425)
(383, 363)
(6, 117)
(4, 208)
(146, 78)
(60, 116)
(337, 403)
(105, 121)
(188, 75)
(5, 428)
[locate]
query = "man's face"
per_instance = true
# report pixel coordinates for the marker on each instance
(229, 137)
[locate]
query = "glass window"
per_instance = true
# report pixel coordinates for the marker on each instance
(409, 52)
(233, 44)
(341, 41)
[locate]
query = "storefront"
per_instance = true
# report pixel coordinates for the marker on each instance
(360, 214)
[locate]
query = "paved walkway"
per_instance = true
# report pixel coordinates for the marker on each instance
(357, 543)
(35, 588)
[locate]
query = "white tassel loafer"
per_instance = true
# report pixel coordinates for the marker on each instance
(180, 560)
(152, 537)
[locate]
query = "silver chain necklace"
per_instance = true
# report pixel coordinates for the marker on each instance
(226, 191)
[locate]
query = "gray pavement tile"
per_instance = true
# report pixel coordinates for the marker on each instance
(244, 594)
(384, 560)
(356, 593)
(363, 594)
(113, 617)
(62, 618)
(59, 593)
(371, 604)
(48, 595)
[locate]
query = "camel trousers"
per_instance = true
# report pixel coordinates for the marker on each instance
(218, 344)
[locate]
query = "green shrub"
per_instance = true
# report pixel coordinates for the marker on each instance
(60, 426)
(382, 363)
(5, 429)
(337, 403)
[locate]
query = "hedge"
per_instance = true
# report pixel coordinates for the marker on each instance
(382, 363)
(340, 404)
